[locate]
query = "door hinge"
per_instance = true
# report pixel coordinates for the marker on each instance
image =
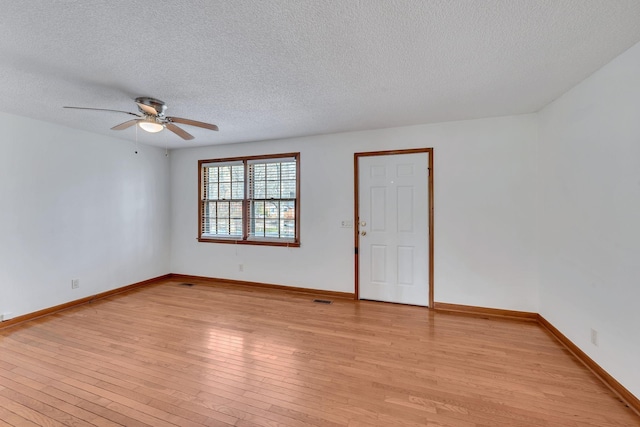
(356, 251)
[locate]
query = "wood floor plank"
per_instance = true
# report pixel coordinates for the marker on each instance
(170, 355)
(61, 408)
(13, 419)
(33, 416)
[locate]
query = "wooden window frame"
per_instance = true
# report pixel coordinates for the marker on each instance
(246, 239)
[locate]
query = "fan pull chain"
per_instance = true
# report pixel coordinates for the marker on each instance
(136, 152)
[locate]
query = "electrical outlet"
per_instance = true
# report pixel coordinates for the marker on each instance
(594, 337)
(75, 283)
(240, 267)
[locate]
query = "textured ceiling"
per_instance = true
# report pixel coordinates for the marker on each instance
(264, 69)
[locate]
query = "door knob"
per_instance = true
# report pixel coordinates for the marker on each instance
(363, 223)
(364, 233)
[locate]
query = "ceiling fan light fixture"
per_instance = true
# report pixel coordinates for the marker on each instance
(150, 126)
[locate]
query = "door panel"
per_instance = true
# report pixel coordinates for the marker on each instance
(378, 264)
(393, 228)
(378, 212)
(405, 265)
(404, 207)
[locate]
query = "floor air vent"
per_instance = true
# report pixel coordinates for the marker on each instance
(322, 301)
(187, 284)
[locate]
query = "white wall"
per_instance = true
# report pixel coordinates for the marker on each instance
(77, 205)
(484, 212)
(590, 216)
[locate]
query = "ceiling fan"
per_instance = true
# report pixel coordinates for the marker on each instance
(151, 118)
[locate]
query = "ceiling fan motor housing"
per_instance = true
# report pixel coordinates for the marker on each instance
(156, 104)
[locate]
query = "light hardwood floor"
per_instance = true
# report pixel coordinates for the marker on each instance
(172, 355)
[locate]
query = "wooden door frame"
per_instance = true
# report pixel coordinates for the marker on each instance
(356, 229)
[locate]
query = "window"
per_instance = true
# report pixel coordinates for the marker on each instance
(251, 200)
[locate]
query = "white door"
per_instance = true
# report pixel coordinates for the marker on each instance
(393, 226)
